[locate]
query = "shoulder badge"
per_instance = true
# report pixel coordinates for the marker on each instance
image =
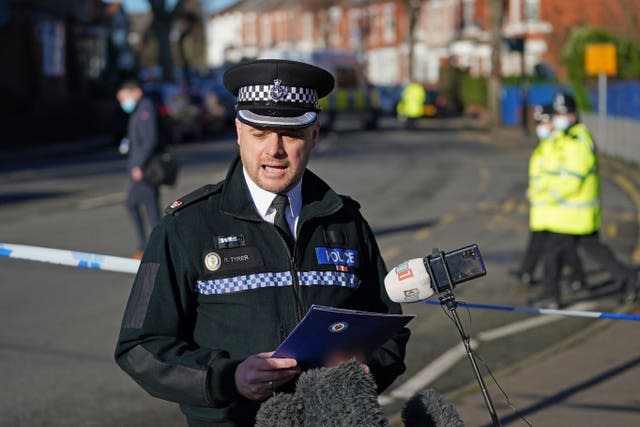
(199, 194)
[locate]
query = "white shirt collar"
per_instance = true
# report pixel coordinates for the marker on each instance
(262, 200)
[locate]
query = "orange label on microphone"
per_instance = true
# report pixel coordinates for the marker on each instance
(405, 274)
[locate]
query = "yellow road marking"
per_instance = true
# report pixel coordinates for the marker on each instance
(389, 253)
(422, 234)
(508, 206)
(485, 175)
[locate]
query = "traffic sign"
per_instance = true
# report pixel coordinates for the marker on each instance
(600, 58)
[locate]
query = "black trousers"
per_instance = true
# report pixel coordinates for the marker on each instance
(605, 258)
(142, 195)
(561, 248)
(533, 253)
(536, 250)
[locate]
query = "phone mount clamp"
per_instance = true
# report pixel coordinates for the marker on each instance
(448, 299)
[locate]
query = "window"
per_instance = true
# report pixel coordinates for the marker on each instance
(467, 13)
(307, 26)
(532, 10)
(389, 23)
(355, 35)
(266, 31)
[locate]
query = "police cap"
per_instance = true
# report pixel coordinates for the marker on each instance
(278, 93)
(542, 112)
(564, 103)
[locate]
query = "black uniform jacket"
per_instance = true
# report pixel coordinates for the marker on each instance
(218, 283)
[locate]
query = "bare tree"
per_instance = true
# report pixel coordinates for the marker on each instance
(496, 16)
(162, 22)
(412, 8)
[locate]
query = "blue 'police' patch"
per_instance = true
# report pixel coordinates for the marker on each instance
(338, 256)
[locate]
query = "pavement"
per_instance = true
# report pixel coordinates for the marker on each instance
(591, 379)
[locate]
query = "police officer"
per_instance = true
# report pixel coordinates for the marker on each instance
(234, 266)
(575, 206)
(411, 105)
(144, 142)
(541, 167)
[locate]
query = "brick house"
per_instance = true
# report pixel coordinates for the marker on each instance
(446, 31)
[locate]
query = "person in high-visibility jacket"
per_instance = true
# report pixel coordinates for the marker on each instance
(574, 210)
(411, 105)
(541, 167)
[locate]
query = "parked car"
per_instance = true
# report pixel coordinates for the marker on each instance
(194, 113)
(389, 97)
(438, 105)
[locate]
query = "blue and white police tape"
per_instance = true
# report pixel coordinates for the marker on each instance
(71, 258)
(532, 310)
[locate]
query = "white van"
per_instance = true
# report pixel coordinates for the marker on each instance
(354, 99)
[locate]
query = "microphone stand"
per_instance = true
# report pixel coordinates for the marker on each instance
(448, 299)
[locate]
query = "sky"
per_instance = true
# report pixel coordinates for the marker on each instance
(132, 6)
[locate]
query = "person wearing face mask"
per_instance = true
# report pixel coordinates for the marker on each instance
(144, 141)
(574, 208)
(540, 166)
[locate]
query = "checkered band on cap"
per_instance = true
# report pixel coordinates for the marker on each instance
(277, 93)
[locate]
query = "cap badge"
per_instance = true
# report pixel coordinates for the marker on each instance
(277, 92)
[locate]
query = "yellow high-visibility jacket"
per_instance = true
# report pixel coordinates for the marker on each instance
(541, 165)
(573, 183)
(411, 103)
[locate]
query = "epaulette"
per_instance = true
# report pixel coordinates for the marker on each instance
(348, 199)
(196, 195)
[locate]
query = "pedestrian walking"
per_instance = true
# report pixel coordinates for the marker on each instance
(234, 266)
(143, 141)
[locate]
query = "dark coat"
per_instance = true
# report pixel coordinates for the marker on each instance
(143, 135)
(218, 283)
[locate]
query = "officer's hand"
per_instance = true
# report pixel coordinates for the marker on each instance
(260, 375)
(136, 174)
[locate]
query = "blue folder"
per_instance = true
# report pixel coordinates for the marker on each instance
(326, 333)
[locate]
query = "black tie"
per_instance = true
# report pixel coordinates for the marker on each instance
(280, 204)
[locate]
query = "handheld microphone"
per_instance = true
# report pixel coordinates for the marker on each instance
(408, 282)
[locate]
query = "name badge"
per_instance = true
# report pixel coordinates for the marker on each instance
(242, 258)
(338, 256)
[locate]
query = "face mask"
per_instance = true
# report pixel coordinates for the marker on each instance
(561, 122)
(128, 105)
(543, 131)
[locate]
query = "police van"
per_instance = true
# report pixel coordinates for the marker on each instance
(354, 99)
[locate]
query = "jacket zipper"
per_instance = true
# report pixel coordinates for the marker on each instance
(294, 275)
(296, 288)
(293, 269)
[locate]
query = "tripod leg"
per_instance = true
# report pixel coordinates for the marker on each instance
(476, 371)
